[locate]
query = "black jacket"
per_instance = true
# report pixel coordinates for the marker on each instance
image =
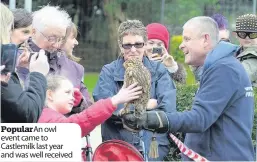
(23, 106)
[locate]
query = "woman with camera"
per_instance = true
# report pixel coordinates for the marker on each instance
(157, 50)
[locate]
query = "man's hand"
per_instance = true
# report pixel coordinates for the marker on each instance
(39, 63)
(155, 121)
(133, 124)
(23, 59)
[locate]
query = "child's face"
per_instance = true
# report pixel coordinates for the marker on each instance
(62, 98)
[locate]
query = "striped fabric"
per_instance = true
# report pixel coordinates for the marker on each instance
(186, 151)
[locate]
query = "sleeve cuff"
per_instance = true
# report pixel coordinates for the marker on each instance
(173, 69)
(22, 70)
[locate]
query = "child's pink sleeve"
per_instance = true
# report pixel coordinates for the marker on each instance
(91, 117)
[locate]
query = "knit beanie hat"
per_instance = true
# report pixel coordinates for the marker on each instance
(158, 31)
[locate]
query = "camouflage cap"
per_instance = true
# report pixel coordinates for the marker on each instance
(246, 23)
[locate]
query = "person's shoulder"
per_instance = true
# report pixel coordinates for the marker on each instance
(231, 66)
(76, 65)
(112, 65)
(249, 52)
(48, 115)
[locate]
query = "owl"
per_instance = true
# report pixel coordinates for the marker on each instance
(135, 71)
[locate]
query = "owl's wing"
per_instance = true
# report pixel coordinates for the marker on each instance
(128, 77)
(143, 77)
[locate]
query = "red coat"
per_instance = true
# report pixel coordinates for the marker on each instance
(88, 119)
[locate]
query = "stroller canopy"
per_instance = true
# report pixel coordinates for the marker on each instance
(116, 150)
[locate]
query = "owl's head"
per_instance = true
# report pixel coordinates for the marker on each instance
(132, 63)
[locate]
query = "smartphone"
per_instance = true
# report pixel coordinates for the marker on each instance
(158, 51)
(31, 54)
(21, 50)
(8, 57)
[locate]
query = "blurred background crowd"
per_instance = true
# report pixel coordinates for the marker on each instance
(98, 20)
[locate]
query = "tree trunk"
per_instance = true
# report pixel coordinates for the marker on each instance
(114, 17)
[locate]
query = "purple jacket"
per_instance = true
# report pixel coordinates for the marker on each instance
(61, 65)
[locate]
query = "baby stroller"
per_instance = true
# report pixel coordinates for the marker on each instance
(87, 152)
(117, 150)
(114, 150)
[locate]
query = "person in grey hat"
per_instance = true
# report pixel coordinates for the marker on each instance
(246, 31)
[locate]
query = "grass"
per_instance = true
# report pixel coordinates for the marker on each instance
(90, 81)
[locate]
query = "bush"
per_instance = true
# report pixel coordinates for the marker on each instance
(174, 48)
(179, 57)
(185, 97)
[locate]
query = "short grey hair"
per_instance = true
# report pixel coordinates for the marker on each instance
(134, 27)
(205, 24)
(50, 16)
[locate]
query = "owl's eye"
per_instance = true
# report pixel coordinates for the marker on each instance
(130, 64)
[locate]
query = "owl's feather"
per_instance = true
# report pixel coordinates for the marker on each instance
(135, 71)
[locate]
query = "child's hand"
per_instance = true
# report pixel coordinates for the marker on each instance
(78, 96)
(127, 94)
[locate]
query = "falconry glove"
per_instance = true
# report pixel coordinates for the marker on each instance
(155, 121)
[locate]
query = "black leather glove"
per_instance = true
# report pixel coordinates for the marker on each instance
(155, 121)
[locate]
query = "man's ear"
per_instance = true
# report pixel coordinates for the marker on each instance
(207, 37)
(206, 40)
(49, 95)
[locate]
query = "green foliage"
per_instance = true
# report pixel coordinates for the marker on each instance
(133, 10)
(178, 55)
(90, 81)
(179, 11)
(190, 76)
(185, 97)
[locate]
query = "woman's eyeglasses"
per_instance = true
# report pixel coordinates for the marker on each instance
(136, 45)
(243, 35)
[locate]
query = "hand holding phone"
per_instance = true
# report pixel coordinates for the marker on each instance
(23, 58)
(156, 54)
(39, 63)
(8, 57)
(157, 51)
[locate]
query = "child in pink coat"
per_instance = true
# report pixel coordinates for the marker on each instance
(60, 100)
